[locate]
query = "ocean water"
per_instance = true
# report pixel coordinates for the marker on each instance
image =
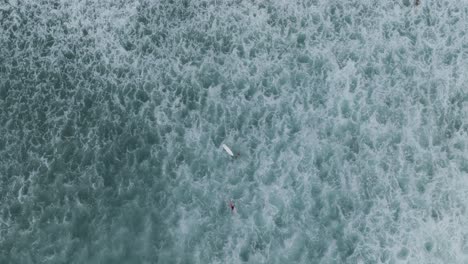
(350, 117)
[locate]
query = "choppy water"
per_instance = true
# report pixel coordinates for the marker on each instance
(351, 118)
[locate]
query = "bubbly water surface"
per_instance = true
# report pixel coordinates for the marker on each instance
(351, 119)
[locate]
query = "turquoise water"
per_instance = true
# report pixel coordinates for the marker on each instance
(351, 119)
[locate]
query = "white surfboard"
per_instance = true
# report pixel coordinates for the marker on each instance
(228, 150)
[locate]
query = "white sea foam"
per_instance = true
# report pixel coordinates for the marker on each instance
(350, 119)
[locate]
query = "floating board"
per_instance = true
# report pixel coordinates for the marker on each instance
(228, 150)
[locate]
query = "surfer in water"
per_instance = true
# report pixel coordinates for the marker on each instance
(231, 205)
(229, 151)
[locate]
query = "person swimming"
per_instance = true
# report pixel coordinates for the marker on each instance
(231, 205)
